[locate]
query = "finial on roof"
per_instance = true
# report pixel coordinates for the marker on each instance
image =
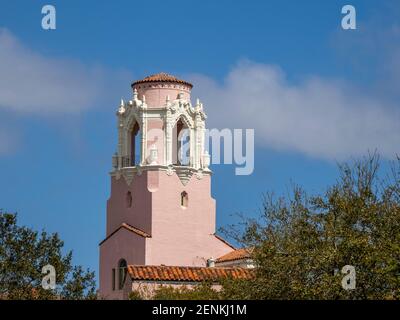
(121, 109)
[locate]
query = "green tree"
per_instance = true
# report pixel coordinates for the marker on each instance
(202, 291)
(23, 253)
(301, 242)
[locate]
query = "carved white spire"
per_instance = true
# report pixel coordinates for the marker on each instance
(206, 160)
(121, 109)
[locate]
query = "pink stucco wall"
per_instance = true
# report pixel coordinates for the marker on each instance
(124, 244)
(179, 236)
(156, 96)
(139, 214)
(183, 236)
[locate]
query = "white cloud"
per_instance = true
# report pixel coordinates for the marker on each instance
(8, 141)
(34, 84)
(318, 117)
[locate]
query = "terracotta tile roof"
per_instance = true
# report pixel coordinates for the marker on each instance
(129, 228)
(162, 77)
(190, 274)
(235, 255)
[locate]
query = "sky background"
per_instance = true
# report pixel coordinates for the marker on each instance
(314, 93)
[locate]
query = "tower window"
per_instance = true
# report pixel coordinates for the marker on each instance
(128, 199)
(181, 144)
(184, 199)
(122, 270)
(135, 145)
(113, 279)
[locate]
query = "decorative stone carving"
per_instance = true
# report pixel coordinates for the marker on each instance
(115, 161)
(136, 111)
(170, 171)
(121, 109)
(128, 176)
(135, 95)
(184, 175)
(153, 157)
(199, 174)
(206, 160)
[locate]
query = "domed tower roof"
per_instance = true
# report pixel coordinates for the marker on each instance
(162, 77)
(160, 87)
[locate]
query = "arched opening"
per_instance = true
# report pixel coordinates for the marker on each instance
(122, 271)
(181, 146)
(135, 136)
(184, 199)
(128, 199)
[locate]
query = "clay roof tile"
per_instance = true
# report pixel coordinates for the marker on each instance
(191, 274)
(162, 77)
(237, 254)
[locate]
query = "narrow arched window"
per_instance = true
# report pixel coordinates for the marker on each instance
(184, 199)
(122, 270)
(135, 145)
(128, 199)
(181, 144)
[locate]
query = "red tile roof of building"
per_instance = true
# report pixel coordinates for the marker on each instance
(235, 255)
(189, 274)
(129, 228)
(162, 77)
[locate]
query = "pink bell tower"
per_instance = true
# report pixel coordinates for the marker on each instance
(160, 211)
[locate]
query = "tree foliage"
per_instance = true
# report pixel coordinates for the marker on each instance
(23, 253)
(202, 291)
(301, 242)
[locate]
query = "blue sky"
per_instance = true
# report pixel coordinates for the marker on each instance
(314, 93)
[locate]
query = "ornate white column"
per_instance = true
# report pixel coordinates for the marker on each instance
(199, 140)
(143, 144)
(168, 138)
(121, 112)
(192, 150)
